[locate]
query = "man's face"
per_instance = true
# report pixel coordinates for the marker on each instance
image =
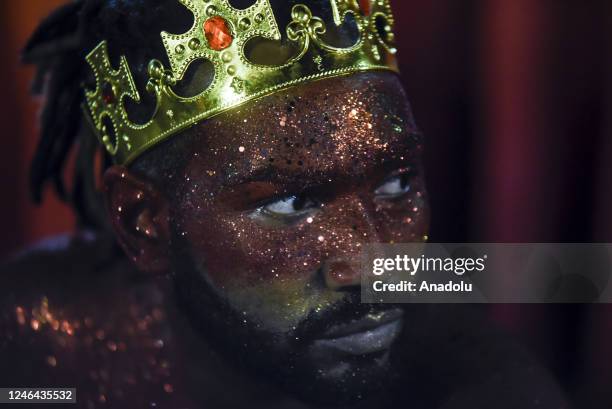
(270, 213)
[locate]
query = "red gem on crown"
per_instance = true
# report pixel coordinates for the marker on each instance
(365, 6)
(218, 33)
(108, 95)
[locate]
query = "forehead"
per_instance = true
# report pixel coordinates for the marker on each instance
(329, 125)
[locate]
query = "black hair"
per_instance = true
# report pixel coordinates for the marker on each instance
(58, 49)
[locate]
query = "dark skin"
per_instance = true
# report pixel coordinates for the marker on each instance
(288, 189)
(251, 246)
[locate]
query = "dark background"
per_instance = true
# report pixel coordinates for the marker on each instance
(515, 99)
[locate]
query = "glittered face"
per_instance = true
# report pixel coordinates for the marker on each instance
(271, 209)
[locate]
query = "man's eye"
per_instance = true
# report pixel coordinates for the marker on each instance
(286, 210)
(393, 188)
(284, 207)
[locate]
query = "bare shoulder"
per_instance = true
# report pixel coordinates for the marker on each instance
(70, 255)
(67, 273)
(61, 271)
(72, 312)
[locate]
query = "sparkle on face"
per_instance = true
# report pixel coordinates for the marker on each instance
(334, 141)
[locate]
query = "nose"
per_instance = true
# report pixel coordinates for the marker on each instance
(350, 225)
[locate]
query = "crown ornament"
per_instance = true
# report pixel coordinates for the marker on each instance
(219, 34)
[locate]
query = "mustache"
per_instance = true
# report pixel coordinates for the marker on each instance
(348, 309)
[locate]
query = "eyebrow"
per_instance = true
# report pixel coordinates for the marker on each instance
(270, 173)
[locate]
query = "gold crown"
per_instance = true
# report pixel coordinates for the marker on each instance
(219, 35)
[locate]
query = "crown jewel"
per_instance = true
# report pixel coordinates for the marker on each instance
(219, 34)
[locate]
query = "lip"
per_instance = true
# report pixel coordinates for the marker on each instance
(370, 334)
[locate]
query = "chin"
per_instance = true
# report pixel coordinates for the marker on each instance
(347, 382)
(339, 378)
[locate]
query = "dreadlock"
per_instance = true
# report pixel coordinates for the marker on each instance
(58, 49)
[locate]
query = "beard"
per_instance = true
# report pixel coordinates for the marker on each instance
(284, 358)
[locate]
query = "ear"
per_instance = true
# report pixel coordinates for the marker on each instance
(139, 216)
